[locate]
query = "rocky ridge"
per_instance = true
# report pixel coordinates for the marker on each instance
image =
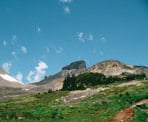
(115, 68)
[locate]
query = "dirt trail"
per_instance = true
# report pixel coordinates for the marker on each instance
(127, 114)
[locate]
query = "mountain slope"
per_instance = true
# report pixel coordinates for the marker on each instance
(108, 68)
(8, 81)
(9, 86)
(115, 68)
(55, 82)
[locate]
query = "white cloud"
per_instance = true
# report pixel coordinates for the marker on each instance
(38, 73)
(67, 10)
(19, 77)
(81, 36)
(13, 53)
(58, 50)
(103, 39)
(24, 49)
(39, 29)
(65, 1)
(91, 37)
(30, 76)
(4, 43)
(6, 66)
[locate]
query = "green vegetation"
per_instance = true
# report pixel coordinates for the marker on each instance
(141, 113)
(90, 79)
(46, 107)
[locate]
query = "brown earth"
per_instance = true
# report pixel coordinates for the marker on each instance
(127, 114)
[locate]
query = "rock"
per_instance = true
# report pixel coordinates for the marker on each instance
(116, 68)
(75, 65)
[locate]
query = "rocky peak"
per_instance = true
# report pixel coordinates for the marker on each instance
(75, 65)
(74, 68)
(112, 68)
(113, 64)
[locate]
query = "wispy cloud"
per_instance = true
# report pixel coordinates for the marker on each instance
(91, 37)
(65, 1)
(67, 10)
(84, 36)
(14, 37)
(6, 66)
(4, 43)
(80, 36)
(103, 39)
(38, 29)
(39, 72)
(19, 77)
(58, 50)
(13, 53)
(23, 49)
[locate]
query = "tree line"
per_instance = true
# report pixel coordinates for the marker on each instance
(90, 79)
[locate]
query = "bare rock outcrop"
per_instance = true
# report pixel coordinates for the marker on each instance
(115, 68)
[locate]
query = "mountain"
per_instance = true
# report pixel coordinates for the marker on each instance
(8, 81)
(115, 68)
(55, 82)
(9, 86)
(107, 67)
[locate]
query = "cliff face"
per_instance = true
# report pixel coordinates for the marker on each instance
(74, 68)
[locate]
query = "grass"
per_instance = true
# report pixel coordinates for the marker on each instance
(46, 107)
(141, 113)
(140, 116)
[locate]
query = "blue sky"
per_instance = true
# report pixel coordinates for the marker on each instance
(39, 37)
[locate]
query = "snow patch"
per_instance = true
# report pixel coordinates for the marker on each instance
(9, 78)
(26, 89)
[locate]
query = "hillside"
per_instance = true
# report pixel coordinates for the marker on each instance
(55, 82)
(106, 97)
(115, 68)
(103, 104)
(108, 68)
(10, 87)
(8, 81)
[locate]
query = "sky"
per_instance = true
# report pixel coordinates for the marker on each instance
(39, 37)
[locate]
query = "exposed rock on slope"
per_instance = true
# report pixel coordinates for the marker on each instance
(55, 82)
(9, 86)
(75, 65)
(108, 68)
(114, 68)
